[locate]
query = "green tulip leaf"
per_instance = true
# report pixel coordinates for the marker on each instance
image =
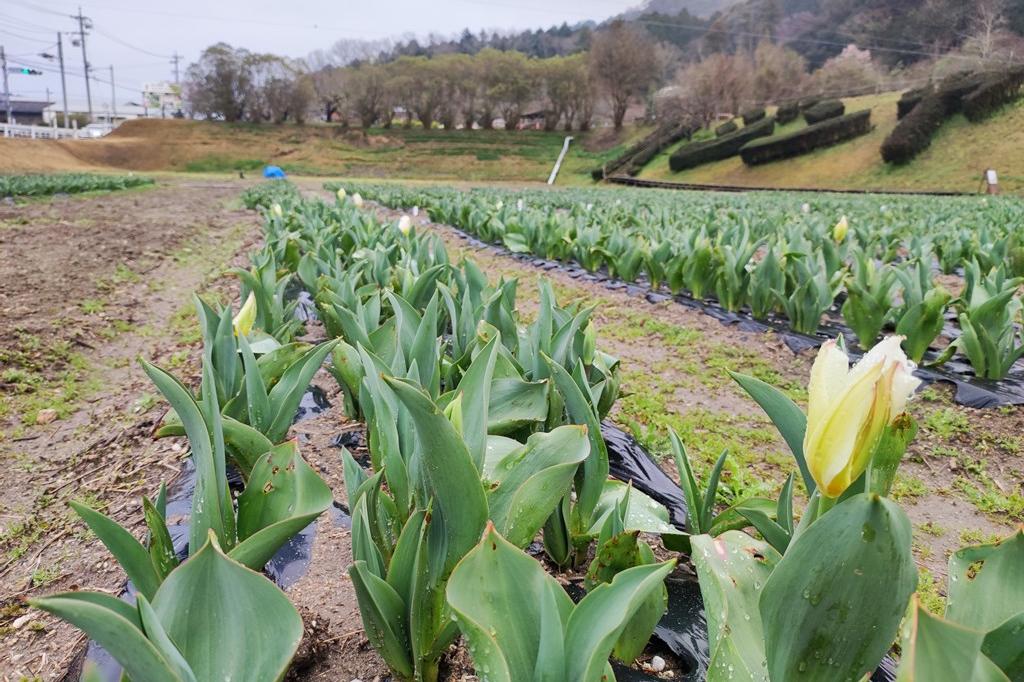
(129, 552)
(228, 622)
(787, 417)
(985, 586)
(455, 481)
(529, 484)
(283, 496)
(114, 625)
(938, 649)
(833, 614)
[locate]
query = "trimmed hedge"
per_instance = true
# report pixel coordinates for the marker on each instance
(787, 113)
(824, 134)
(913, 134)
(910, 99)
(993, 93)
(726, 128)
(720, 148)
(752, 115)
(637, 155)
(808, 102)
(829, 108)
(669, 138)
(953, 89)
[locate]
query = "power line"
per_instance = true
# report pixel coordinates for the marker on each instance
(22, 25)
(45, 10)
(21, 37)
(130, 46)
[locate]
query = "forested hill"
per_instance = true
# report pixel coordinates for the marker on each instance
(896, 31)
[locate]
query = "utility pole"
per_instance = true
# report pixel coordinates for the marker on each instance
(7, 87)
(63, 82)
(113, 96)
(85, 61)
(175, 58)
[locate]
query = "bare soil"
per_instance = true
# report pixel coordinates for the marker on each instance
(137, 256)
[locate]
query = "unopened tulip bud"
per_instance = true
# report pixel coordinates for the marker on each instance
(840, 230)
(246, 317)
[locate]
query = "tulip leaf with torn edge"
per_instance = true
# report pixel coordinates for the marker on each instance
(732, 570)
(283, 495)
(816, 603)
(986, 594)
(520, 624)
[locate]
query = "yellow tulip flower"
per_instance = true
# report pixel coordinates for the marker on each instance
(848, 410)
(246, 317)
(341, 194)
(840, 230)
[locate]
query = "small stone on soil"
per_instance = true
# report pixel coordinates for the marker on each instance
(46, 416)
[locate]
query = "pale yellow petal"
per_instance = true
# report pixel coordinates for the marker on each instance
(830, 447)
(246, 317)
(828, 374)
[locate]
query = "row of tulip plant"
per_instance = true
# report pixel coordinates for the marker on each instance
(777, 259)
(46, 184)
(484, 436)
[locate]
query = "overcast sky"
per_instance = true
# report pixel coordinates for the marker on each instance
(138, 36)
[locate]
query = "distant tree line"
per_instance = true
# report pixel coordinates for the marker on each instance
(448, 90)
(568, 77)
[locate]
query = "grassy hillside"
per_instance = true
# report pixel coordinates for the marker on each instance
(196, 146)
(959, 153)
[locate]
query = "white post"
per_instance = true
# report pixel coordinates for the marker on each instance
(558, 163)
(32, 131)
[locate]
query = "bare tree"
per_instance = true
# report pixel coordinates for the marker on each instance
(989, 18)
(852, 72)
(719, 84)
(624, 65)
(366, 88)
(779, 73)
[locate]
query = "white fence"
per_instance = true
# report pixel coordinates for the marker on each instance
(53, 132)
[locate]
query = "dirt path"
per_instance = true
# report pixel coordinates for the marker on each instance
(963, 481)
(88, 285)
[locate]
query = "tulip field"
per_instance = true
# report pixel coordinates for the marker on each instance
(870, 262)
(488, 526)
(66, 183)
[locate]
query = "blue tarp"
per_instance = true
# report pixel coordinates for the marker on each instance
(273, 172)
